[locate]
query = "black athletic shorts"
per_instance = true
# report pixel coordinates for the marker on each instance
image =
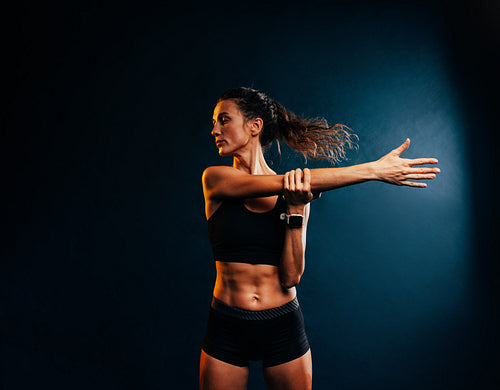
(274, 336)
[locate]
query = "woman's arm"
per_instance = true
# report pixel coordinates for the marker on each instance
(226, 182)
(297, 193)
(391, 169)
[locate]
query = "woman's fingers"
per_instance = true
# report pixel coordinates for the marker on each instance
(400, 171)
(298, 179)
(402, 148)
(422, 161)
(307, 179)
(423, 170)
(307, 185)
(292, 181)
(418, 176)
(414, 184)
(297, 186)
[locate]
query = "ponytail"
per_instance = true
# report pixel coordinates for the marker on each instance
(314, 138)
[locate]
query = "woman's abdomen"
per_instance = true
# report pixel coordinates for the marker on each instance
(250, 286)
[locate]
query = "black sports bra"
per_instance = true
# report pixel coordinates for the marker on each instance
(243, 236)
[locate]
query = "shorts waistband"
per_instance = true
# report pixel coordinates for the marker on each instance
(243, 314)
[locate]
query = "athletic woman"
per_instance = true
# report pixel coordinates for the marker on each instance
(257, 228)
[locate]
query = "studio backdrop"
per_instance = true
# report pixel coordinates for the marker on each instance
(107, 272)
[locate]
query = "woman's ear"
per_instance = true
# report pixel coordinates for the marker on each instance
(256, 125)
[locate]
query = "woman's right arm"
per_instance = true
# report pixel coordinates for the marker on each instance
(391, 169)
(225, 182)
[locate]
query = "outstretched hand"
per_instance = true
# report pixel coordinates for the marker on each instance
(393, 169)
(297, 187)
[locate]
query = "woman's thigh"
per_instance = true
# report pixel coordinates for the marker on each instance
(293, 375)
(218, 375)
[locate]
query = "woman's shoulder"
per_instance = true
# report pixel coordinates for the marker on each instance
(218, 170)
(222, 182)
(212, 175)
(221, 170)
(224, 170)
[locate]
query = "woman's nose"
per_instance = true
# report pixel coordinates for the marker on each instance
(215, 131)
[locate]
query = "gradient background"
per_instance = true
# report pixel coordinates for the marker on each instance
(106, 270)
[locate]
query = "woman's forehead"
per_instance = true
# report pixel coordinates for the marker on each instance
(228, 106)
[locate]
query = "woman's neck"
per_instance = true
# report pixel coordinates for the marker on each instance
(252, 162)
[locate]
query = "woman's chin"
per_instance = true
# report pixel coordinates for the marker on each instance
(223, 153)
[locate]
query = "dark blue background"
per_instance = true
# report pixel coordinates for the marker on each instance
(106, 267)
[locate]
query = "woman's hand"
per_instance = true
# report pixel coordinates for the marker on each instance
(297, 187)
(400, 171)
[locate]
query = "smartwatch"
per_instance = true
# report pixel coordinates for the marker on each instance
(293, 220)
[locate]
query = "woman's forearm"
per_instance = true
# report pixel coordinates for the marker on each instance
(325, 179)
(292, 262)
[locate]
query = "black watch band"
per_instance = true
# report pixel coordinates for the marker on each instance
(293, 221)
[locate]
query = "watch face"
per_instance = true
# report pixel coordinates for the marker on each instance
(295, 220)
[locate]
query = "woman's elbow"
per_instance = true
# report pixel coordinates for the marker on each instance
(290, 281)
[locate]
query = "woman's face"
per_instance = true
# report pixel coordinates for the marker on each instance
(231, 130)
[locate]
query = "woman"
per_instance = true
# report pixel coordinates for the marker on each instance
(257, 227)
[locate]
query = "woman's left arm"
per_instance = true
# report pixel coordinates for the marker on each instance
(297, 193)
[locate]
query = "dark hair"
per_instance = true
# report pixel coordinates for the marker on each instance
(314, 138)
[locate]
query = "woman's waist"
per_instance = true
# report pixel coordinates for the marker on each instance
(251, 296)
(264, 314)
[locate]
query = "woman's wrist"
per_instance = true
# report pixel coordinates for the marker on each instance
(296, 209)
(371, 171)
